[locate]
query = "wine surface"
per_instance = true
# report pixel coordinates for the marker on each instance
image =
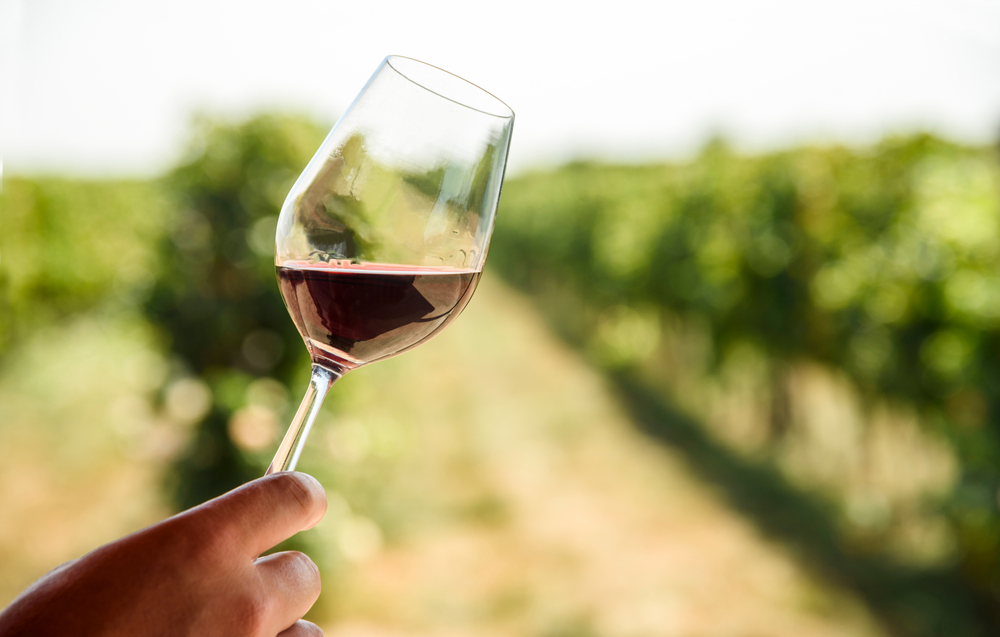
(350, 315)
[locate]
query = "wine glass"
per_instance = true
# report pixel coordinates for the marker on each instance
(382, 239)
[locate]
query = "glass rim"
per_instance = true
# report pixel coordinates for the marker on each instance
(395, 67)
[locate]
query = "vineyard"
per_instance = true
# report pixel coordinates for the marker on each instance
(732, 395)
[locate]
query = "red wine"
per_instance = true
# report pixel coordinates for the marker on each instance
(350, 315)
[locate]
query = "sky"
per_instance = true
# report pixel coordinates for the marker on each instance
(108, 87)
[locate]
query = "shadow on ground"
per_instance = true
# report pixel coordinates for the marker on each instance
(910, 602)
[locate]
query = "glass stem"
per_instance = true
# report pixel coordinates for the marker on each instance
(291, 445)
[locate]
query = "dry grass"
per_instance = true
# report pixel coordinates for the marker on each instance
(485, 485)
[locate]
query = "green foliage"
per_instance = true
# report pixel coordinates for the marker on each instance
(69, 246)
(216, 299)
(882, 264)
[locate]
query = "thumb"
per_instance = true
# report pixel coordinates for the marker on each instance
(268, 510)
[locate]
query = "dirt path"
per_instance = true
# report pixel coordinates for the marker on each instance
(486, 484)
(519, 500)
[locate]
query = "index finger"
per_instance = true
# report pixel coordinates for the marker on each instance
(268, 510)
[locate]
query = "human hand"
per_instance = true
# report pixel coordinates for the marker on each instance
(196, 573)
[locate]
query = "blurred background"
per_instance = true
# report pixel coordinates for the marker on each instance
(733, 370)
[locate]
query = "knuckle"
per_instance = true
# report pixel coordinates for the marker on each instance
(295, 488)
(251, 612)
(305, 562)
(306, 568)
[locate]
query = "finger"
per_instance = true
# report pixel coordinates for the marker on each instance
(302, 628)
(292, 582)
(268, 510)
